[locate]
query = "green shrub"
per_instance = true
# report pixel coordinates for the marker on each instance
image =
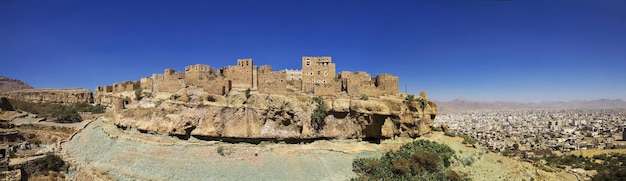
(364, 97)
(450, 134)
(52, 162)
(467, 139)
(418, 160)
(12, 154)
(220, 150)
(61, 113)
(318, 115)
(410, 97)
(86, 107)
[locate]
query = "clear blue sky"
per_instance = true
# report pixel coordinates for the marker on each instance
(478, 49)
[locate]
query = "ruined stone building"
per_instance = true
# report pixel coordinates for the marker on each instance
(317, 76)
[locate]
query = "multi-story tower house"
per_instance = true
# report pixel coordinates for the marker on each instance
(316, 70)
(243, 75)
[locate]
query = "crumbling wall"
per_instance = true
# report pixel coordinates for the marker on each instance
(171, 81)
(241, 75)
(271, 82)
(358, 83)
(387, 84)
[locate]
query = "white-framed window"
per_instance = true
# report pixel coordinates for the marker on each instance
(318, 81)
(325, 73)
(324, 81)
(308, 63)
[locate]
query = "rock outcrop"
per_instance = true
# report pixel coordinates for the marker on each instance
(263, 116)
(51, 95)
(9, 84)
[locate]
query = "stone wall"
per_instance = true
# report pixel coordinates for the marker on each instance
(171, 81)
(387, 84)
(197, 74)
(126, 86)
(51, 95)
(271, 82)
(146, 83)
(324, 89)
(241, 75)
(356, 84)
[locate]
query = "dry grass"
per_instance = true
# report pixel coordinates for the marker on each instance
(591, 153)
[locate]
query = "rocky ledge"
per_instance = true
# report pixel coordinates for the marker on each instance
(239, 116)
(51, 95)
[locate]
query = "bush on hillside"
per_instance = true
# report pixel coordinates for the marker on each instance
(418, 160)
(61, 113)
(52, 162)
(86, 107)
(318, 115)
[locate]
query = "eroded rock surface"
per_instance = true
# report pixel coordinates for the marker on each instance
(262, 116)
(51, 95)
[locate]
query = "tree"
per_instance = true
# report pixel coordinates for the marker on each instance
(52, 162)
(318, 115)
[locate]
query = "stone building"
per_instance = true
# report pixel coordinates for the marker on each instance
(317, 77)
(169, 81)
(242, 75)
(356, 84)
(271, 82)
(387, 84)
(316, 71)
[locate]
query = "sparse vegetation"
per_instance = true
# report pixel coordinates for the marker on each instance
(418, 160)
(247, 93)
(467, 139)
(450, 134)
(52, 162)
(364, 97)
(61, 113)
(610, 166)
(410, 97)
(85, 107)
(318, 115)
(220, 150)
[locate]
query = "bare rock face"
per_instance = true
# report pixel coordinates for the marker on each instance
(262, 116)
(51, 95)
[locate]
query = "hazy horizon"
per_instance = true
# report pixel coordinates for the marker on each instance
(480, 50)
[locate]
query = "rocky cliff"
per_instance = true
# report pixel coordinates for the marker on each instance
(262, 116)
(51, 95)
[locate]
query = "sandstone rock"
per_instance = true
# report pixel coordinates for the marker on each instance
(51, 95)
(279, 117)
(445, 128)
